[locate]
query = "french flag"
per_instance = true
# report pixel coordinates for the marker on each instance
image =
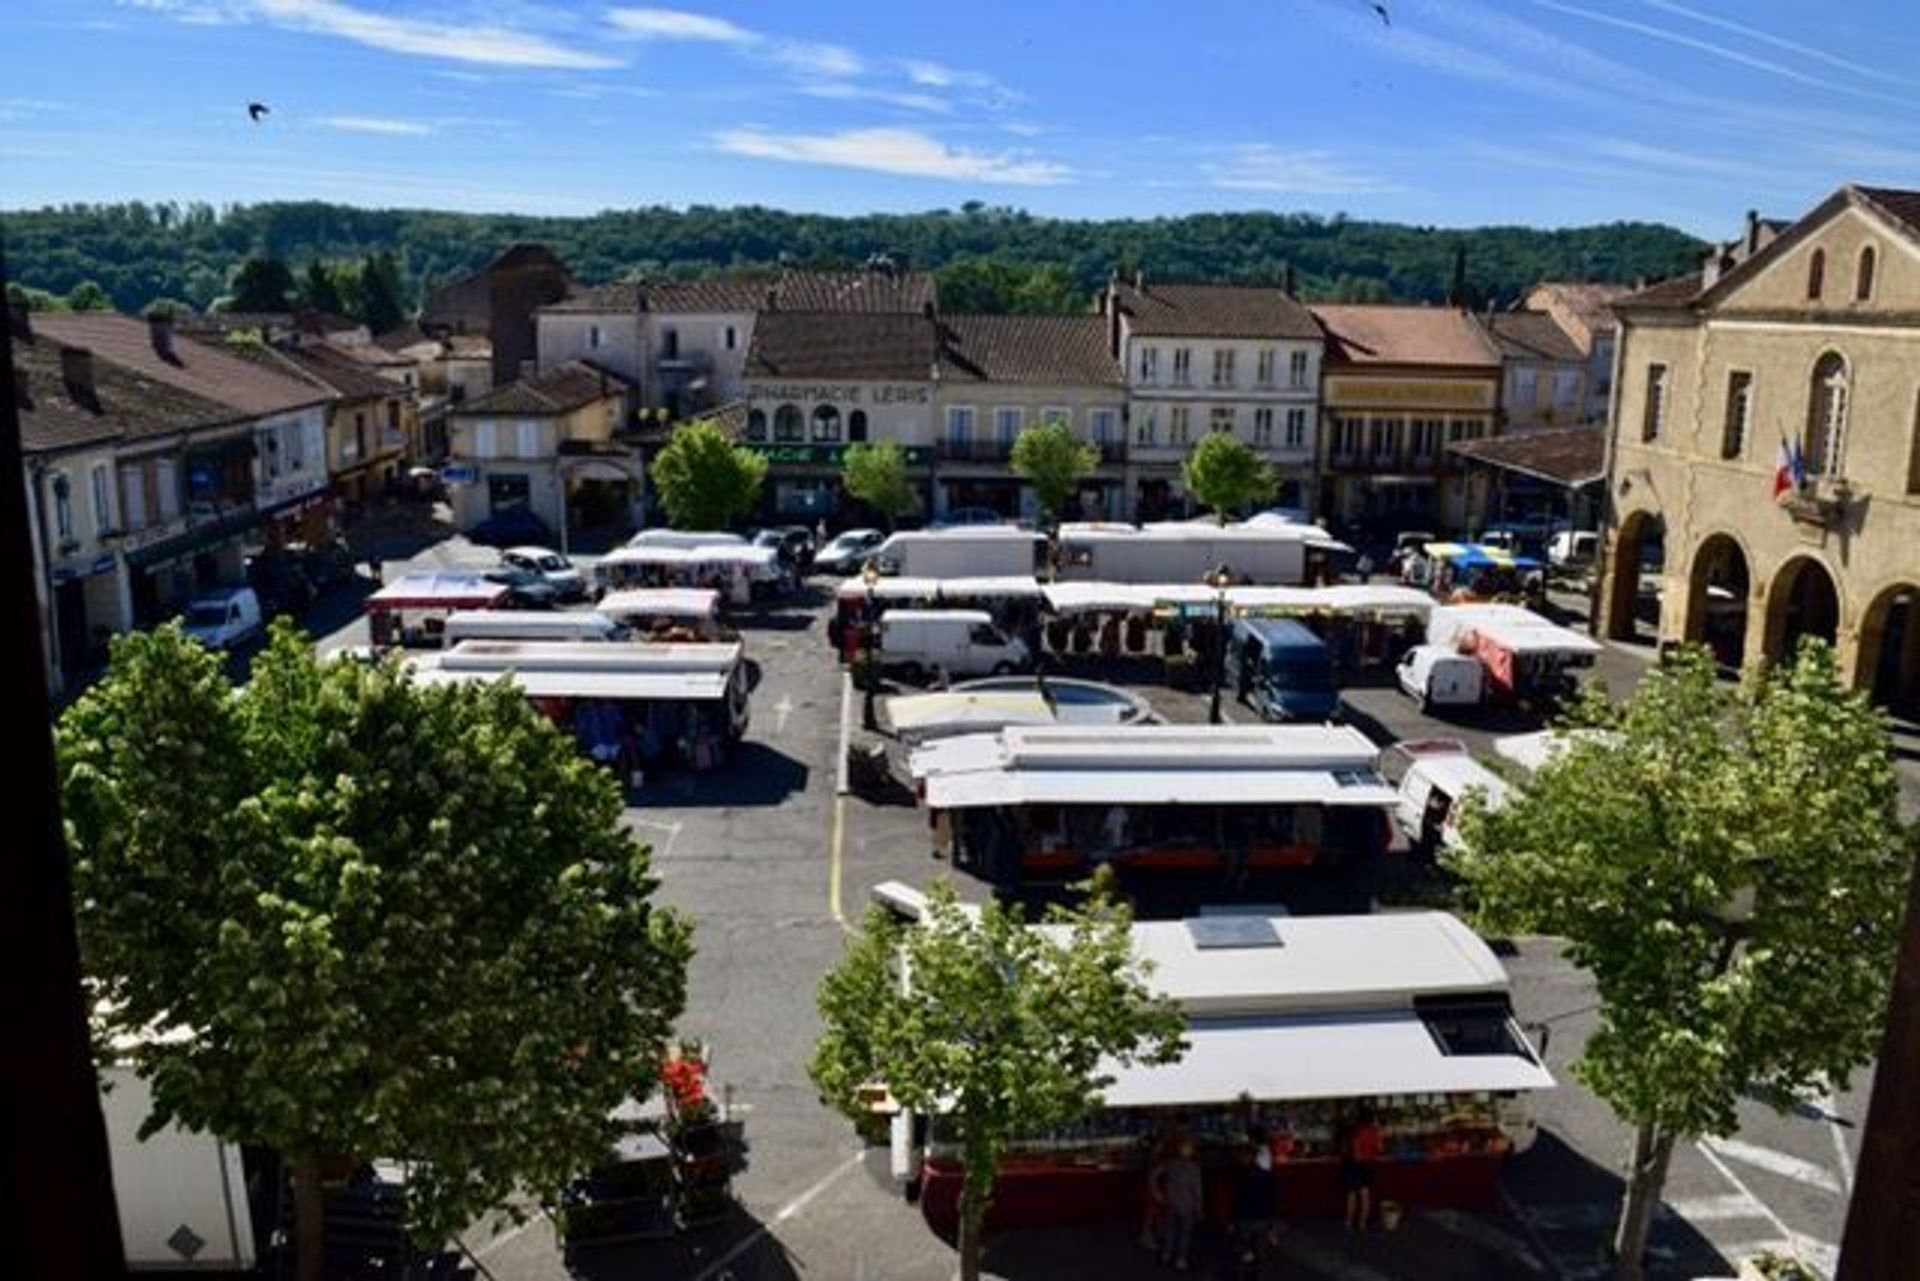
(1790, 472)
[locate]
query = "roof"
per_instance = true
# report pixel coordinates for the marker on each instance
(1054, 351)
(1673, 293)
(126, 405)
(407, 334)
(1212, 311)
(1532, 335)
(1897, 204)
(938, 589)
(895, 347)
(865, 291)
(562, 389)
(329, 368)
(668, 686)
(1391, 334)
(202, 369)
(676, 602)
(441, 589)
(1567, 456)
(1590, 301)
(1356, 599)
(600, 656)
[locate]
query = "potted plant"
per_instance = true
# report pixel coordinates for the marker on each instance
(1770, 1265)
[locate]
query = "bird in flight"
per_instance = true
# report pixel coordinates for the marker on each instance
(257, 110)
(1381, 9)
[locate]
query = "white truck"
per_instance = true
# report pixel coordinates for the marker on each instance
(961, 642)
(224, 618)
(1270, 555)
(182, 1195)
(985, 551)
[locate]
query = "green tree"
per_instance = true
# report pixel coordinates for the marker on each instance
(705, 481)
(174, 307)
(320, 291)
(88, 296)
(876, 474)
(344, 913)
(1050, 459)
(999, 1029)
(35, 299)
(382, 293)
(1224, 474)
(261, 284)
(1729, 864)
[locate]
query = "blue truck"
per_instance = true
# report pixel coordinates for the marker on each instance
(1280, 669)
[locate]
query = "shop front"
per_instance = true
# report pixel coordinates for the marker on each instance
(805, 484)
(167, 564)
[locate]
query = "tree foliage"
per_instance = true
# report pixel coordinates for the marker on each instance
(1051, 459)
(1000, 259)
(1000, 1029)
(261, 284)
(348, 914)
(1224, 474)
(1633, 844)
(320, 290)
(88, 296)
(705, 481)
(381, 293)
(876, 474)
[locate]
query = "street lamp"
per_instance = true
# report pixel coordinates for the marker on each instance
(870, 575)
(1220, 579)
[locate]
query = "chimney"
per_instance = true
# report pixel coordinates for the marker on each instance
(19, 320)
(1112, 305)
(773, 298)
(926, 309)
(1753, 232)
(160, 330)
(1289, 283)
(76, 370)
(1140, 279)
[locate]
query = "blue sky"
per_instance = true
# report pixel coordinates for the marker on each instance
(1451, 112)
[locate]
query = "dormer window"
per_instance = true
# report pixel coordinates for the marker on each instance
(1816, 275)
(1863, 276)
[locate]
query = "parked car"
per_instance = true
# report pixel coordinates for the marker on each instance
(961, 642)
(513, 527)
(224, 619)
(846, 552)
(1407, 542)
(1440, 773)
(973, 516)
(793, 542)
(1441, 676)
(1573, 547)
(550, 566)
(525, 589)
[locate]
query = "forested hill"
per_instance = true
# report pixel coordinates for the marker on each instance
(139, 252)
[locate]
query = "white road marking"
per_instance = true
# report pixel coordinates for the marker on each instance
(1831, 1108)
(1482, 1233)
(785, 1212)
(1794, 1242)
(1787, 1167)
(782, 710)
(1713, 1209)
(671, 829)
(846, 730)
(509, 1235)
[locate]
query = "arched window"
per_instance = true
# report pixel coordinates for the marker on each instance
(1826, 416)
(826, 423)
(857, 426)
(788, 425)
(1863, 275)
(756, 424)
(1816, 274)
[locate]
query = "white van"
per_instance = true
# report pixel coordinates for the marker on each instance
(530, 625)
(1573, 547)
(224, 618)
(1439, 776)
(1441, 676)
(962, 642)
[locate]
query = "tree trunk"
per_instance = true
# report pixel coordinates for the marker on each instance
(1652, 1151)
(972, 1221)
(309, 1222)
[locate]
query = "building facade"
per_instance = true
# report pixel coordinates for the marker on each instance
(372, 422)
(1544, 375)
(1584, 311)
(1403, 383)
(1808, 341)
(1243, 359)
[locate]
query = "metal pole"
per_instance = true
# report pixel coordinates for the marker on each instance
(1219, 652)
(55, 1164)
(869, 677)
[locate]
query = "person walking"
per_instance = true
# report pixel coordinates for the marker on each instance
(1358, 1154)
(1183, 1199)
(1256, 1204)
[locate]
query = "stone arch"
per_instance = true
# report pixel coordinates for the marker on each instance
(1719, 587)
(1639, 539)
(1889, 662)
(1804, 600)
(788, 425)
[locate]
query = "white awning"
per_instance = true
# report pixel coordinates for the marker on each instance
(661, 602)
(1085, 597)
(1334, 1056)
(925, 715)
(660, 687)
(1198, 786)
(931, 589)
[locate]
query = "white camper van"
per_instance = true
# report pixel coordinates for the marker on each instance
(961, 642)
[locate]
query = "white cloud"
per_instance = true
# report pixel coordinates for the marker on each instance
(677, 24)
(896, 151)
(1767, 38)
(375, 124)
(846, 91)
(936, 76)
(813, 58)
(452, 40)
(1261, 166)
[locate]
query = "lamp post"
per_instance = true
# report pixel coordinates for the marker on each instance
(1221, 579)
(870, 575)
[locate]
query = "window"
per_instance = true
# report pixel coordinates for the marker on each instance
(268, 443)
(1221, 419)
(1913, 451)
(1525, 387)
(483, 440)
(1346, 437)
(1566, 388)
(756, 424)
(1007, 422)
(730, 338)
(1056, 414)
(670, 344)
(102, 481)
(1263, 426)
(393, 417)
(1223, 366)
(788, 426)
(1296, 437)
(1177, 428)
(62, 505)
(1733, 440)
(1863, 276)
(856, 424)
(166, 484)
(593, 337)
(1263, 368)
(1149, 364)
(133, 497)
(1654, 415)
(826, 423)
(1816, 274)
(297, 448)
(960, 424)
(359, 436)
(1297, 369)
(1424, 439)
(1104, 424)
(1149, 425)
(529, 442)
(1826, 416)
(1385, 439)
(1182, 366)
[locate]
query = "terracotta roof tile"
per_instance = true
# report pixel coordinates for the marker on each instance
(559, 390)
(1532, 335)
(1361, 334)
(897, 346)
(125, 404)
(1674, 293)
(324, 366)
(1570, 456)
(196, 367)
(1054, 351)
(1901, 205)
(1213, 311)
(841, 291)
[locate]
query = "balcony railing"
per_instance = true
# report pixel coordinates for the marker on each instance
(975, 451)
